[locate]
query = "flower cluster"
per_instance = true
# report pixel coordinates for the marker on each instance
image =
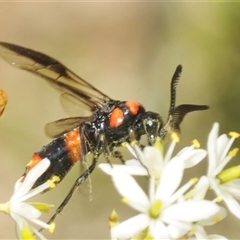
(26, 215)
(171, 210)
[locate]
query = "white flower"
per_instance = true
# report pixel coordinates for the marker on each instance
(197, 229)
(160, 213)
(25, 213)
(151, 161)
(223, 182)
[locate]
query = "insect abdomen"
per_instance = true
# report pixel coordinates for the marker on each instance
(62, 152)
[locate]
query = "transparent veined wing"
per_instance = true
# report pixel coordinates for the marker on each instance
(59, 76)
(57, 128)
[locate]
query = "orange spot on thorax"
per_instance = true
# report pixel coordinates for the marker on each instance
(116, 118)
(133, 107)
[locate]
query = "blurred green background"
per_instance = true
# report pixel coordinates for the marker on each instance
(129, 51)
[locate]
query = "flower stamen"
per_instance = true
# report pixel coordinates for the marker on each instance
(125, 201)
(113, 219)
(195, 143)
(217, 219)
(233, 152)
(52, 227)
(234, 134)
(175, 137)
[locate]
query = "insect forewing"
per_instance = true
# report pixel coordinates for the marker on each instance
(54, 72)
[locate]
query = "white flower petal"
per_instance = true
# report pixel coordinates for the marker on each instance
(169, 152)
(19, 222)
(135, 170)
(25, 210)
(130, 169)
(130, 227)
(231, 203)
(153, 159)
(212, 148)
(223, 147)
(184, 226)
(178, 196)
(201, 188)
(215, 236)
(194, 157)
(184, 151)
(152, 189)
(40, 223)
(170, 179)
(129, 189)
(176, 232)
(18, 184)
(191, 211)
(106, 167)
(220, 215)
(133, 162)
(215, 185)
(158, 230)
(200, 233)
(22, 212)
(232, 187)
(31, 178)
(37, 233)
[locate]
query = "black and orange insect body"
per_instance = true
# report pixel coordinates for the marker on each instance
(62, 152)
(111, 123)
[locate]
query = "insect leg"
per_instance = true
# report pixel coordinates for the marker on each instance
(118, 154)
(96, 153)
(75, 186)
